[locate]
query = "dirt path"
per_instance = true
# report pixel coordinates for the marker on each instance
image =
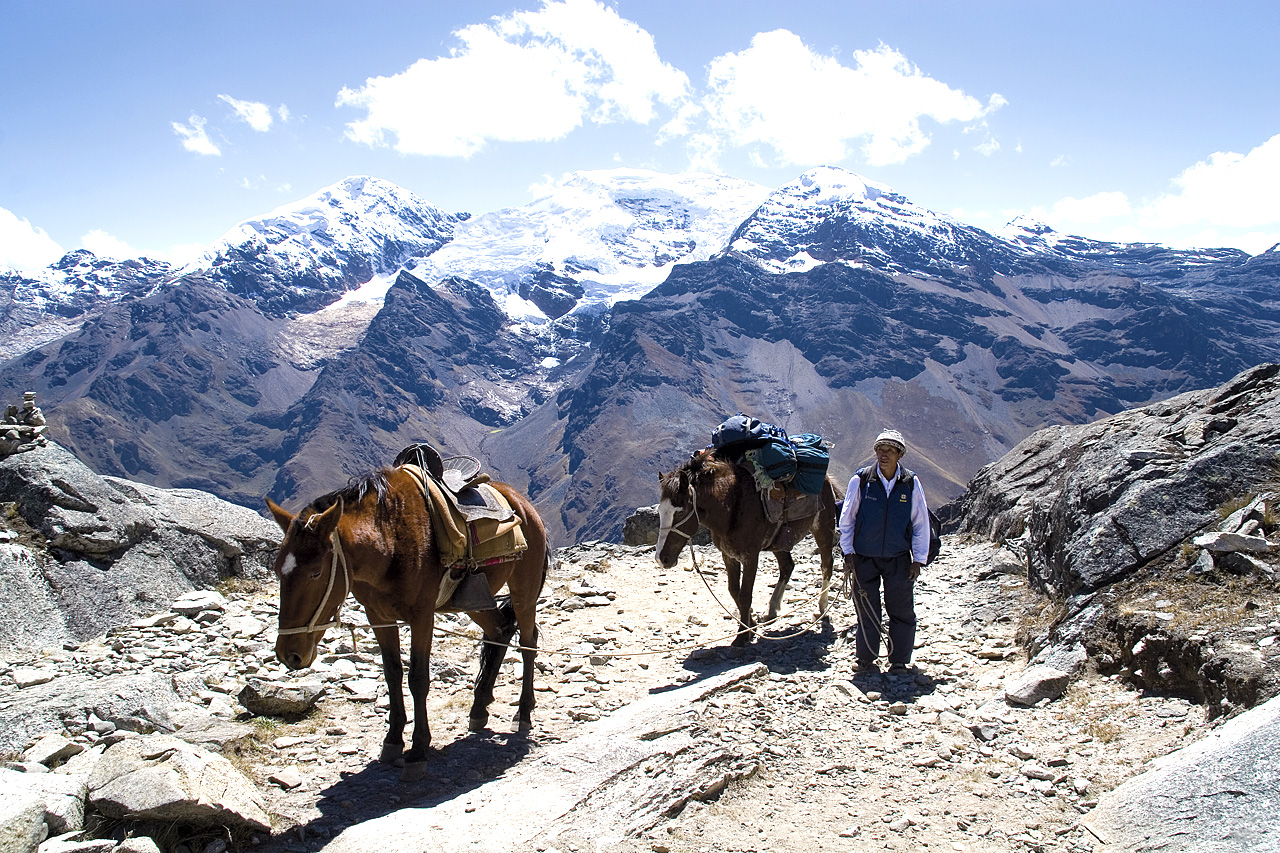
(935, 760)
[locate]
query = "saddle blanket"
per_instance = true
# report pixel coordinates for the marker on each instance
(471, 542)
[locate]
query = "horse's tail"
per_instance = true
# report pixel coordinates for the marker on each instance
(549, 562)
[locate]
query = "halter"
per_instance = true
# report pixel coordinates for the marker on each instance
(692, 513)
(338, 558)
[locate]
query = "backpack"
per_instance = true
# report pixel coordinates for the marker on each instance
(745, 431)
(935, 526)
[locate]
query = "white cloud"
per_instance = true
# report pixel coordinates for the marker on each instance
(194, 138)
(104, 245)
(810, 108)
(532, 76)
(252, 113)
(988, 146)
(284, 113)
(1095, 208)
(1228, 190)
(1060, 161)
(23, 246)
(1227, 199)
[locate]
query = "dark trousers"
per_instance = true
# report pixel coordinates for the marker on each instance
(899, 604)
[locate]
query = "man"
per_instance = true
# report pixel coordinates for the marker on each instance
(884, 534)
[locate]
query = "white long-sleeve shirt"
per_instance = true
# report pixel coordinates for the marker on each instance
(919, 514)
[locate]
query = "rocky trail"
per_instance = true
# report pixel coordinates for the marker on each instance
(825, 759)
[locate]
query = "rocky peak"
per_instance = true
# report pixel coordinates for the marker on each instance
(87, 553)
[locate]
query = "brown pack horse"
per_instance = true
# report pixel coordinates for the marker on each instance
(374, 540)
(722, 497)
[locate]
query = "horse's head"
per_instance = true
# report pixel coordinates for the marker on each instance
(677, 514)
(313, 584)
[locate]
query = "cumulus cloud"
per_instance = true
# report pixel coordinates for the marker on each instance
(194, 138)
(532, 76)
(808, 108)
(256, 115)
(1227, 199)
(1095, 208)
(105, 245)
(1227, 190)
(23, 246)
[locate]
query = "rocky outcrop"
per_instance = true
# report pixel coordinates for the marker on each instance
(164, 778)
(643, 526)
(87, 553)
(1154, 533)
(1088, 505)
(138, 703)
(626, 772)
(1218, 795)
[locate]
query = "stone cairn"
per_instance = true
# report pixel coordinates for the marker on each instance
(23, 427)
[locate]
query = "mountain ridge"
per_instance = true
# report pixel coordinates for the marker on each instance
(834, 306)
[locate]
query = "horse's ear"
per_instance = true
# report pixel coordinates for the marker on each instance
(324, 523)
(282, 516)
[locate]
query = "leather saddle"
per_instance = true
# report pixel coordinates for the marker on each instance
(461, 479)
(464, 487)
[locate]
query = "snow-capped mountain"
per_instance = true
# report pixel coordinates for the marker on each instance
(43, 306)
(1041, 241)
(598, 238)
(830, 215)
(315, 342)
(304, 255)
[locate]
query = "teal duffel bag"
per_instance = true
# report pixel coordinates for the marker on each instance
(813, 457)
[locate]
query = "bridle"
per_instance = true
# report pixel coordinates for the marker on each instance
(339, 558)
(692, 513)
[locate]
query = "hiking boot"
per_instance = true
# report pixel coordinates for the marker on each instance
(866, 667)
(901, 669)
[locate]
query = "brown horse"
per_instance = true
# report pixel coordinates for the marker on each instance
(722, 497)
(374, 539)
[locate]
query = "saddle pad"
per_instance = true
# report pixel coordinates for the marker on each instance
(477, 542)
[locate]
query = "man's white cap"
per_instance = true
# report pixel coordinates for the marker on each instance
(891, 436)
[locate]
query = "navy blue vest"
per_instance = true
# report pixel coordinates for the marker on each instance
(883, 525)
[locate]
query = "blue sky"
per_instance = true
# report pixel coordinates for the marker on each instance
(154, 127)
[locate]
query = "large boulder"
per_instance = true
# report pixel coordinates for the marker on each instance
(1218, 795)
(63, 797)
(1090, 504)
(22, 826)
(89, 553)
(163, 778)
(129, 702)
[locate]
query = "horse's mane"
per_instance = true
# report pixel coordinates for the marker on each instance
(702, 464)
(355, 490)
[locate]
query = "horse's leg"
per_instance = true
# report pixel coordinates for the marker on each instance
(527, 619)
(420, 633)
(734, 571)
(826, 546)
(499, 626)
(393, 673)
(825, 534)
(749, 566)
(786, 565)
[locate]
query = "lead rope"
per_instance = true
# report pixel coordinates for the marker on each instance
(339, 558)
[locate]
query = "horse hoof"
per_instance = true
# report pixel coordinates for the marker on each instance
(478, 724)
(391, 753)
(521, 726)
(413, 771)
